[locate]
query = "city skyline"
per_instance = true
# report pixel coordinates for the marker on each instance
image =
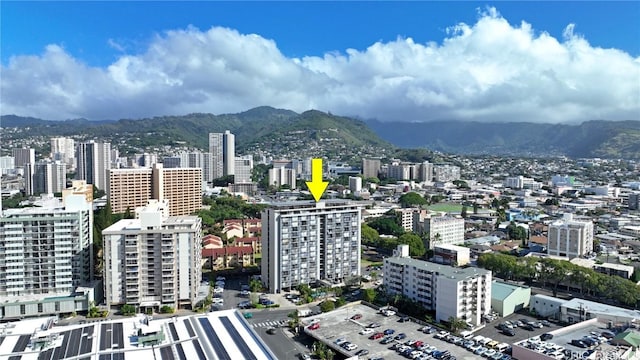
(513, 62)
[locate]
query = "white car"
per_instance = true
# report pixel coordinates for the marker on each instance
(366, 331)
(218, 290)
(389, 313)
(351, 347)
(217, 301)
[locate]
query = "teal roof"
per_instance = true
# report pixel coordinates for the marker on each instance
(501, 291)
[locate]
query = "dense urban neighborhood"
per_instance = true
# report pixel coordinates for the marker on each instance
(178, 251)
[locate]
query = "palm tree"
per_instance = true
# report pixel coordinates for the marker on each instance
(456, 324)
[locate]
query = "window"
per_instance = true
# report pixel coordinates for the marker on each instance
(39, 307)
(22, 309)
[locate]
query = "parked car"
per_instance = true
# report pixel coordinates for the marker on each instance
(356, 317)
(366, 331)
(404, 318)
(340, 341)
(401, 336)
(389, 331)
(351, 347)
(578, 343)
(545, 323)
(373, 325)
(386, 340)
(376, 336)
(509, 332)
(314, 326)
(362, 352)
(546, 336)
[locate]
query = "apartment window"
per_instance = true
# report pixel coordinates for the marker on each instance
(22, 310)
(39, 307)
(57, 306)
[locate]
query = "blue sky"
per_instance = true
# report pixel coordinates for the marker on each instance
(299, 28)
(133, 50)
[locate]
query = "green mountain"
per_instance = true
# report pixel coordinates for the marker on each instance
(606, 139)
(275, 132)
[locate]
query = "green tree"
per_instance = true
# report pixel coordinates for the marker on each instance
(255, 285)
(463, 212)
(369, 235)
(416, 245)
(387, 225)
(411, 199)
(455, 324)
(369, 295)
(327, 306)
(166, 309)
(128, 310)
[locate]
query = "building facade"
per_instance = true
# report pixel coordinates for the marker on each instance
(442, 230)
(305, 242)
(281, 176)
(93, 160)
(570, 238)
(453, 255)
(133, 188)
(46, 177)
(222, 147)
(370, 168)
(45, 252)
(64, 149)
(153, 260)
(243, 168)
(463, 293)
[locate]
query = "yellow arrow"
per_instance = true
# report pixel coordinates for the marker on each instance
(316, 185)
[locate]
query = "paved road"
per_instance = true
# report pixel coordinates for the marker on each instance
(284, 344)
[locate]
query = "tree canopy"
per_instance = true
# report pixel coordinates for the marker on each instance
(416, 245)
(411, 199)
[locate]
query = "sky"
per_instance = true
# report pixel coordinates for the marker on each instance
(552, 62)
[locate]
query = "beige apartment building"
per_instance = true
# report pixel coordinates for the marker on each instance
(132, 188)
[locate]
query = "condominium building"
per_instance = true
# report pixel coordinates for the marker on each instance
(196, 159)
(63, 149)
(304, 242)
(223, 153)
(23, 156)
(93, 160)
(441, 230)
(153, 260)
(132, 188)
(570, 238)
(45, 253)
(445, 172)
(281, 176)
(46, 177)
(355, 184)
(243, 168)
(7, 165)
(370, 168)
(463, 293)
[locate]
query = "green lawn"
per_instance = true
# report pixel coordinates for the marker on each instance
(455, 208)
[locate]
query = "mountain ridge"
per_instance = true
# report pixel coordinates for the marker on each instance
(267, 125)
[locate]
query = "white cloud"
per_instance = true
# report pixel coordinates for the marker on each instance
(487, 71)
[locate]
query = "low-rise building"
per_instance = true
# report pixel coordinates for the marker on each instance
(507, 299)
(463, 293)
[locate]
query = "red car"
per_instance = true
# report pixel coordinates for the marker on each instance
(314, 326)
(417, 344)
(356, 317)
(376, 336)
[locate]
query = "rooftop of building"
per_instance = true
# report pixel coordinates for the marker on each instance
(190, 337)
(451, 247)
(501, 290)
(444, 270)
(310, 204)
(598, 308)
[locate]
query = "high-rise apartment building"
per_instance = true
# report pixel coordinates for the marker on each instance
(153, 260)
(304, 242)
(569, 237)
(463, 293)
(370, 168)
(445, 172)
(23, 156)
(79, 187)
(223, 153)
(63, 149)
(281, 176)
(243, 168)
(7, 165)
(45, 255)
(46, 177)
(133, 188)
(441, 230)
(93, 160)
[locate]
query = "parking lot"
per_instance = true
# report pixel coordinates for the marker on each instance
(339, 325)
(491, 330)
